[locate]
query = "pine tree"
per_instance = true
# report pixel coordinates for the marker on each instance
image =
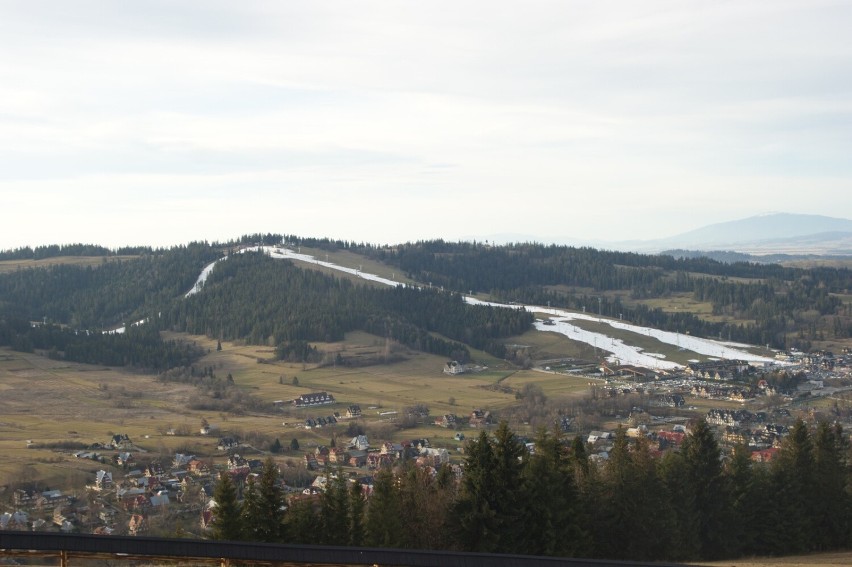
(832, 509)
(357, 513)
(263, 506)
(703, 469)
(793, 479)
(475, 512)
(382, 527)
(334, 510)
(250, 511)
(227, 524)
(549, 503)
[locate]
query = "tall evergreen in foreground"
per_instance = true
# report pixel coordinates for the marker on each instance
(227, 524)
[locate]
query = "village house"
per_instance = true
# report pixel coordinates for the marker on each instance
(453, 368)
(314, 399)
(120, 441)
(353, 411)
(480, 418)
(357, 458)
(596, 436)
(124, 459)
(337, 456)
(359, 442)
(16, 520)
(226, 443)
(103, 481)
(447, 420)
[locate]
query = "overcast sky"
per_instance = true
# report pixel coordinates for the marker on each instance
(160, 122)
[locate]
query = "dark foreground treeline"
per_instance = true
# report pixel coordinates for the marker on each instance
(685, 505)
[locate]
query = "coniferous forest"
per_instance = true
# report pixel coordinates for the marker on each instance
(252, 298)
(685, 505)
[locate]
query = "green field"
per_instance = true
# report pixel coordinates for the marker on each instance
(94, 261)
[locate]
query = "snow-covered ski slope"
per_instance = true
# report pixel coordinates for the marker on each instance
(620, 352)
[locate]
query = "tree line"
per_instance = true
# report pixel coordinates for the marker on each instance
(265, 301)
(685, 505)
(788, 306)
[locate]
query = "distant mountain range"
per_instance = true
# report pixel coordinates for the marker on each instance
(778, 233)
(770, 238)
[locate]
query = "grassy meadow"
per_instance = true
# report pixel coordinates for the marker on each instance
(51, 409)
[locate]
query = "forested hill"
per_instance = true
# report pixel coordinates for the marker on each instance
(250, 297)
(768, 304)
(254, 298)
(262, 300)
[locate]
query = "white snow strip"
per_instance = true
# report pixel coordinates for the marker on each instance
(621, 353)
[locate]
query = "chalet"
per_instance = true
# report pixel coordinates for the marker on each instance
(453, 368)
(596, 436)
(379, 460)
(198, 467)
(120, 441)
(123, 459)
(314, 399)
(724, 369)
(103, 480)
(732, 418)
(235, 461)
(337, 456)
(447, 420)
(17, 520)
(669, 401)
(480, 418)
(226, 443)
(24, 498)
(395, 450)
(154, 468)
(433, 457)
(765, 455)
(180, 461)
(360, 443)
(353, 411)
(311, 462)
(357, 459)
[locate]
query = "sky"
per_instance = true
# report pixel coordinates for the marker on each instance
(165, 122)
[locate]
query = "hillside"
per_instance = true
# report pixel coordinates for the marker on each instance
(255, 298)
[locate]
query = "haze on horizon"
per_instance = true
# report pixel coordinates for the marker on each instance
(160, 123)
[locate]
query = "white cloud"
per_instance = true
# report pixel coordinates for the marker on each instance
(629, 115)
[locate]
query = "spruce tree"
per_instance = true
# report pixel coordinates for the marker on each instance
(793, 479)
(227, 524)
(475, 511)
(382, 527)
(357, 513)
(703, 469)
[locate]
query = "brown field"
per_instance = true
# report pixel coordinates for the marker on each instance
(12, 265)
(44, 401)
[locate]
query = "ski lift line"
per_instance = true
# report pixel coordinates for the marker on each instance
(701, 346)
